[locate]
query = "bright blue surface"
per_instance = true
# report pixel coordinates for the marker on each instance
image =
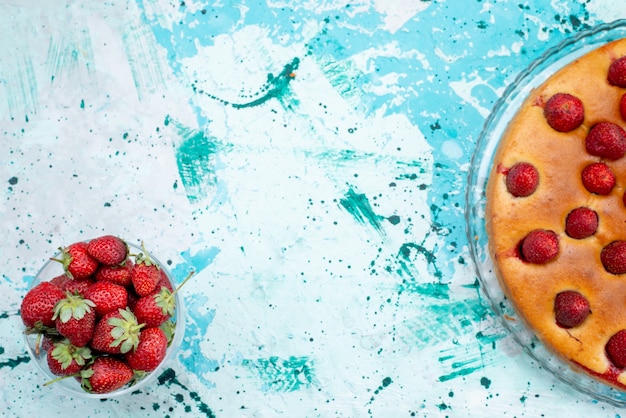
(309, 161)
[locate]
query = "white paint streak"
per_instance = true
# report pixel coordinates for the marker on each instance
(463, 89)
(397, 12)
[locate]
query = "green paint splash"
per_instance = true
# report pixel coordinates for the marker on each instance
(168, 378)
(144, 60)
(70, 56)
(461, 369)
(14, 362)
(463, 359)
(283, 375)
(407, 253)
(344, 75)
(276, 87)
(358, 205)
(195, 157)
(432, 290)
(21, 86)
(385, 383)
(443, 322)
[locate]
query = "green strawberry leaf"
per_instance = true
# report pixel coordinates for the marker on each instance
(64, 352)
(73, 306)
(125, 330)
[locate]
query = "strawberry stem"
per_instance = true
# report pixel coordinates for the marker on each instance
(38, 345)
(58, 379)
(184, 281)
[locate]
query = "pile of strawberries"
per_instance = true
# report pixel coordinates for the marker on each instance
(108, 320)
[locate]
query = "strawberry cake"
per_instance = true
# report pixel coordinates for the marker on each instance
(556, 212)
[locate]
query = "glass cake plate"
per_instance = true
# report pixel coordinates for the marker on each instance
(495, 125)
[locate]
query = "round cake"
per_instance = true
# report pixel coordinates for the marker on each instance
(556, 212)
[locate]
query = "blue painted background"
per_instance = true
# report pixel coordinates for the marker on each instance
(309, 161)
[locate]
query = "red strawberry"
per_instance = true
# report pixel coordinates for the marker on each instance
(613, 257)
(570, 308)
(616, 349)
(164, 281)
(37, 308)
(78, 286)
(522, 179)
(132, 298)
(598, 178)
(75, 319)
(66, 359)
(606, 140)
(116, 274)
(47, 342)
(622, 106)
(540, 246)
(107, 297)
(108, 249)
(76, 261)
(159, 306)
(564, 112)
(155, 308)
(105, 375)
(145, 275)
(581, 223)
(60, 281)
(150, 351)
(617, 72)
(116, 332)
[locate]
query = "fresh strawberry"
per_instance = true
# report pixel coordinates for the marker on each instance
(133, 297)
(540, 246)
(60, 281)
(37, 308)
(617, 72)
(159, 306)
(571, 308)
(606, 140)
(598, 178)
(116, 332)
(65, 359)
(145, 274)
(78, 286)
(613, 257)
(150, 351)
(108, 249)
(164, 281)
(116, 274)
(155, 308)
(522, 179)
(76, 261)
(105, 375)
(564, 112)
(581, 223)
(48, 341)
(75, 319)
(616, 349)
(107, 297)
(622, 106)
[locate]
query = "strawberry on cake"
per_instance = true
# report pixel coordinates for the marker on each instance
(556, 212)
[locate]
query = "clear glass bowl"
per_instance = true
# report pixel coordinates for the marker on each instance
(480, 167)
(71, 386)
